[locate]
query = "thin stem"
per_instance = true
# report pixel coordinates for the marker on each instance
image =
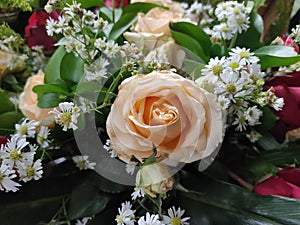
(113, 86)
(233, 41)
(242, 182)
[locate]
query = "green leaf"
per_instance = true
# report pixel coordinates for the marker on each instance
(50, 88)
(50, 100)
(193, 68)
(110, 15)
(90, 3)
(52, 70)
(86, 200)
(6, 104)
(254, 31)
(71, 68)
(195, 50)
(195, 32)
(122, 25)
(275, 56)
(8, 121)
(232, 204)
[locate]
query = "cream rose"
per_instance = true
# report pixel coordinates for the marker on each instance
(28, 101)
(182, 120)
(173, 6)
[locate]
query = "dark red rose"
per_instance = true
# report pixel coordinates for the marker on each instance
(289, 41)
(3, 140)
(118, 3)
(35, 31)
(286, 86)
(287, 184)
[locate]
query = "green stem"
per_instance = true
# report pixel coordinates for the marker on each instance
(113, 86)
(233, 41)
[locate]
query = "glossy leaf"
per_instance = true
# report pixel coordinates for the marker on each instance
(90, 3)
(216, 202)
(50, 100)
(193, 68)
(110, 15)
(8, 121)
(50, 88)
(122, 25)
(195, 32)
(275, 56)
(6, 104)
(52, 70)
(71, 68)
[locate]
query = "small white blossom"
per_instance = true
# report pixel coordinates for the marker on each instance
(83, 221)
(126, 214)
(174, 217)
(83, 163)
(252, 115)
(222, 31)
(67, 116)
(29, 171)
(97, 70)
(240, 121)
(149, 220)
(244, 55)
(6, 182)
(109, 148)
(138, 193)
(130, 167)
(253, 136)
(26, 128)
(42, 137)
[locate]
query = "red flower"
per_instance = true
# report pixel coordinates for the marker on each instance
(35, 31)
(286, 86)
(117, 3)
(3, 140)
(289, 41)
(287, 184)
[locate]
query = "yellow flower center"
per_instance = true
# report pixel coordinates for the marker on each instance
(225, 29)
(23, 130)
(242, 120)
(239, 21)
(231, 88)
(217, 70)
(81, 164)
(244, 54)
(1, 177)
(30, 171)
(120, 219)
(239, 102)
(234, 65)
(14, 154)
(64, 119)
(236, 11)
(176, 221)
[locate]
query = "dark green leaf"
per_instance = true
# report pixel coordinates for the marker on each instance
(8, 121)
(71, 68)
(275, 56)
(195, 50)
(86, 200)
(195, 32)
(269, 119)
(50, 88)
(90, 3)
(122, 25)
(52, 70)
(6, 104)
(233, 205)
(50, 100)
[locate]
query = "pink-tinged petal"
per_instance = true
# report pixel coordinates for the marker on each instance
(296, 190)
(274, 186)
(3, 140)
(291, 175)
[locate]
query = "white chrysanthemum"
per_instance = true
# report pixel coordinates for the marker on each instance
(138, 193)
(42, 137)
(214, 68)
(240, 121)
(111, 49)
(244, 55)
(26, 128)
(67, 116)
(221, 10)
(6, 182)
(51, 26)
(130, 167)
(126, 214)
(149, 220)
(296, 33)
(83, 163)
(255, 71)
(223, 101)
(222, 31)
(89, 18)
(233, 64)
(174, 217)
(29, 171)
(97, 70)
(12, 152)
(252, 115)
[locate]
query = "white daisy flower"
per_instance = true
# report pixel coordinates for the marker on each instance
(149, 220)
(221, 10)
(244, 55)
(233, 64)
(222, 31)
(97, 70)
(42, 137)
(130, 167)
(67, 115)
(109, 148)
(26, 128)
(83, 221)
(240, 121)
(223, 101)
(12, 152)
(253, 136)
(51, 26)
(83, 163)
(29, 171)
(126, 214)
(255, 72)
(174, 217)
(214, 68)
(252, 115)
(111, 49)
(6, 182)
(138, 193)
(89, 17)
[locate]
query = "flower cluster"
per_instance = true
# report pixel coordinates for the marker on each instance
(238, 82)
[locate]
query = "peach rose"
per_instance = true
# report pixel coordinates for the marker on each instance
(183, 121)
(173, 6)
(28, 101)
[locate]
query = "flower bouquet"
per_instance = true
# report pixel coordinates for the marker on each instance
(153, 112)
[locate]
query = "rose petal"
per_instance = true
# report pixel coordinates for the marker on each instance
(291, 175)
(274, 186)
